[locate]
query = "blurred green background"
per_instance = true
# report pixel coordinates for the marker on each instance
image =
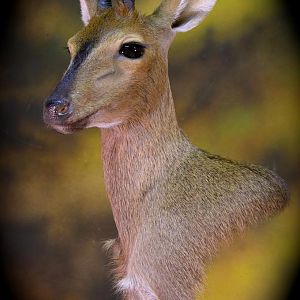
(235, 82)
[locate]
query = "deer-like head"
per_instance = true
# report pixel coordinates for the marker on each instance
(118, 70)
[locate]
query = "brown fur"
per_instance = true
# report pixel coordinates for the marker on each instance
(173, 203)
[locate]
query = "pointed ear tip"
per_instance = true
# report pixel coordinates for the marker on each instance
(211, 4)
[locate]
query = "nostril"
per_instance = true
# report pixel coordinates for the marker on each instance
(62, 109)
(58, 107)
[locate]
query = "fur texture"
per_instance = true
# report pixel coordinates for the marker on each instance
(173, 204)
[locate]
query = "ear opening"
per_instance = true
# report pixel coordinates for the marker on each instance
(184, 23)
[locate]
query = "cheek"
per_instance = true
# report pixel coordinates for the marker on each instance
(134, 80)
(118, 84)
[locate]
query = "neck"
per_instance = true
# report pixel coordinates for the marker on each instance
(135, 158)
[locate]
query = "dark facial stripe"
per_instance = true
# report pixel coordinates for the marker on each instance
(65, 85)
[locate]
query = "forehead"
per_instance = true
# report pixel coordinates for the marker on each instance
(110, 24)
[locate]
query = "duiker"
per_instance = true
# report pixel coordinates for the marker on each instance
(173, 203)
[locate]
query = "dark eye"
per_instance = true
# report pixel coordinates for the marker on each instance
(132, 50)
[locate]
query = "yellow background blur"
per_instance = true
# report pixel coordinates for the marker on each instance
(234, 80)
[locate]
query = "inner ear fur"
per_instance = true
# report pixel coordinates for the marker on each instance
(88, 10)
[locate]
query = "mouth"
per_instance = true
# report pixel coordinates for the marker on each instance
(68, 127)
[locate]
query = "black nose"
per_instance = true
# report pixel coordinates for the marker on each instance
(58, 108)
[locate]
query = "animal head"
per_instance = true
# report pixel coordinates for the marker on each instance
(118, 70)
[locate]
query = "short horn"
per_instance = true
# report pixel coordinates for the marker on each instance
(129, 3)
(102, 4)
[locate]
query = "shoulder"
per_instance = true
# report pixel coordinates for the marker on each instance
(213, 176)
(248, 180)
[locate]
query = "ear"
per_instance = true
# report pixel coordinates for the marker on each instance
(184, 15)
(88, 9)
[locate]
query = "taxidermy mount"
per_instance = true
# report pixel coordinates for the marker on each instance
(173, 203)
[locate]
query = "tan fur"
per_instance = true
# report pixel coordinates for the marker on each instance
(173, 203)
